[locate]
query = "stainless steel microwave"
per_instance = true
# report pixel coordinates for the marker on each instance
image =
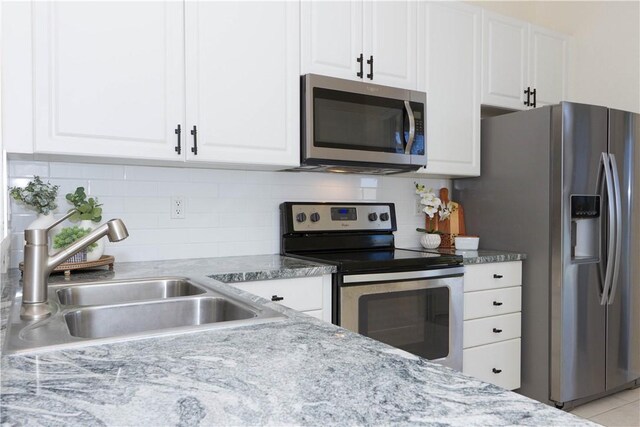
(350, 126)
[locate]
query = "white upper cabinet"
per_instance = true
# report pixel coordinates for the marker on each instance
(452, 52)
(243, 84)
(548, 65)
(361, 40)
(505, 62)
(524, 66)
(390, 43)
(331, 38)
(108, 78)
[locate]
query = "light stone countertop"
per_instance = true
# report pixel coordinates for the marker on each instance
(298, 371)
(480, 256)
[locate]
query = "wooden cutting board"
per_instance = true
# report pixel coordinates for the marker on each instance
(455, 224)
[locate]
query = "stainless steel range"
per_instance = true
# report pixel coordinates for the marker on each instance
(406, 298)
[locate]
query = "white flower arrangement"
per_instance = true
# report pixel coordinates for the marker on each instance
(432, 204)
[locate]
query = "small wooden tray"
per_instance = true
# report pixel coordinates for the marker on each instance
(68, 266)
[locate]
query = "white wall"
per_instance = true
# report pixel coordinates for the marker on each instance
(227, 212)
(604, 64)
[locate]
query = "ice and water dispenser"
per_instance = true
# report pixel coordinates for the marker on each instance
(585, 227)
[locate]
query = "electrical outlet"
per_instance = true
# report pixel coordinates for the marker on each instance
(178, 207)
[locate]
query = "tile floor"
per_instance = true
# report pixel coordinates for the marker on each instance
(620, 410)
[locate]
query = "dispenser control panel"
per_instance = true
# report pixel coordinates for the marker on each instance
(585, 206)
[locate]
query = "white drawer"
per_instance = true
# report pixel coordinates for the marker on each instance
(488, 330)
(479, 277)
(302, 293)
(492, 303)
(497, 363)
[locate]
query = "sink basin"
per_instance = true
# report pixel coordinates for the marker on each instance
(114, 292)
(111, 321)
(110, 311)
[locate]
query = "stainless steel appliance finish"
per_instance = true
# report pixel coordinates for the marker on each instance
(361, 127)
(409, 323)
(561, 183)
(102, 312)
(406, 298)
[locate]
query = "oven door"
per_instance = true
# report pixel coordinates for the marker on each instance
(360, 123)
(419, 312)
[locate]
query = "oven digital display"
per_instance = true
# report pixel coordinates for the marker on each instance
(344, 214)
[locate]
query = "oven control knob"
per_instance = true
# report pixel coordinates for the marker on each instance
(373, 216)
(384, 216)
(301, 217)
(315, 217)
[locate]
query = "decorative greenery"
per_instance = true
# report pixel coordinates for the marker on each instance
(68, 235)
(37, 195)
(86, 209)
(432, 206)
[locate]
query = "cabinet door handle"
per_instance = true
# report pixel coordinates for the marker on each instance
(496, 371)
(360, 60)
(276, 298)
(178, 147)
(497, 276)
(528, 93)
(194, 132)
(534, 98)
(497, 303)
(370, 62)
(496, 330)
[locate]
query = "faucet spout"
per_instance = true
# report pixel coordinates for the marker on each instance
(38, 265)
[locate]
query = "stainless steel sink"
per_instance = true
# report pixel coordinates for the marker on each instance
(110, 311)
(113, 321)
(120, 291)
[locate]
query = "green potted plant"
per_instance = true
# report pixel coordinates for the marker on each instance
(39, 196)
(67, 236)
(87, 211)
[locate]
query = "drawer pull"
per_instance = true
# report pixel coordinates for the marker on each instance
(496, 330)
(497, 303)
(497, 276)
(496, 371)
(276, 298)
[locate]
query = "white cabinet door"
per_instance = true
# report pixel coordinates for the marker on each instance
(505, 61)
(548, 65)
(242, 67)
(108, 78)
(390, 37)
(453, 60)
(331, 37)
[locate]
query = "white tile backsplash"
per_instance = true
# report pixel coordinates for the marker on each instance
(228, 212)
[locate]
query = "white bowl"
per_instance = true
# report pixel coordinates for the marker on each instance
(467, 243)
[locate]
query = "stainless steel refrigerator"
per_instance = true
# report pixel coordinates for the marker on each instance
(561, 183)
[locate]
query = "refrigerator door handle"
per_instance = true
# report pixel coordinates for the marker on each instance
(618, 227)
(606, 281)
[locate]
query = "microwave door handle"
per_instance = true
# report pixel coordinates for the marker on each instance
(412, 127)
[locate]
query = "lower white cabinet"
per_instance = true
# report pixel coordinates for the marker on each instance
(492, 322)
(310, 295)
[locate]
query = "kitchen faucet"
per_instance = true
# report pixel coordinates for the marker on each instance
(38, 264)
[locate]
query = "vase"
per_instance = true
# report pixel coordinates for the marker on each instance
(430, 241)
(42, 221)
(95, 253)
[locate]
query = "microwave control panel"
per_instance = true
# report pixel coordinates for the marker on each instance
(309, 217)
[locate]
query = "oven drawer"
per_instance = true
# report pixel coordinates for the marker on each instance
(497, 363)
(302, 294)
(489, 330)
(491, 303)
(478, 277)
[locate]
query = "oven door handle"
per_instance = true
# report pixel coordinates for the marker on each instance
(412, 127)
(403, 275)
